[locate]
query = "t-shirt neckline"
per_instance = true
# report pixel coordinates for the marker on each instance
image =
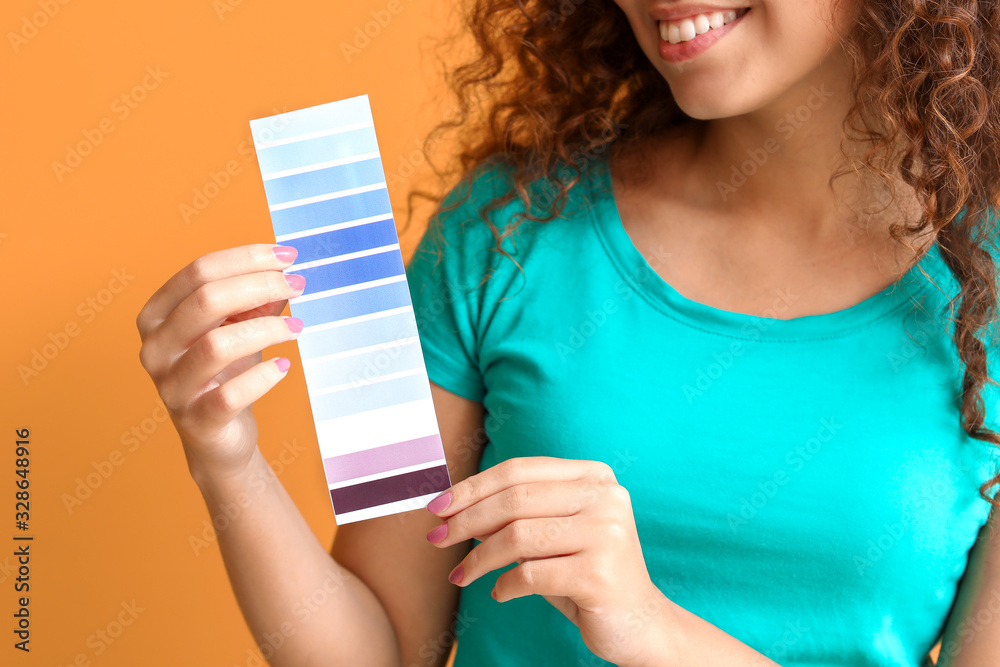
(639, 274)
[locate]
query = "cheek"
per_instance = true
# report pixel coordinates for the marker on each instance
(798, 38)
(642, 27)
(806, 28)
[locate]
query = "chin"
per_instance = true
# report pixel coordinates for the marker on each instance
(710, 105)
(706, 94)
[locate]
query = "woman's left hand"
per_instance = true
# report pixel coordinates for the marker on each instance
(569, 526)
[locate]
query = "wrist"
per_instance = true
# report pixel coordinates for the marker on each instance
(214, 482)
(659, 623)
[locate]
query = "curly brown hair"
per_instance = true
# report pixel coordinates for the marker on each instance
(554, 80)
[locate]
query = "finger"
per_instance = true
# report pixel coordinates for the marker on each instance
(219, 348)
(521, 540)
(216, 408)
(208, 268)
(520, 470)
(267, 310)
(210, 305)
(565, 576)
(565, 605)
(208, 308)
(521, 501)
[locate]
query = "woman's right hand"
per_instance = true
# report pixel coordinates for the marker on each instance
(202, 334)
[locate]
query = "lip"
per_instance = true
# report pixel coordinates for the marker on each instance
(686, 11)
(675, 53)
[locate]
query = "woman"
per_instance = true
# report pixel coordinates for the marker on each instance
(703, 393)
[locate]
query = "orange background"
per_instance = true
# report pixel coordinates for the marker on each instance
(131, 536)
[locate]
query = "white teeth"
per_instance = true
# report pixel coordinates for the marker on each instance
(687, 29)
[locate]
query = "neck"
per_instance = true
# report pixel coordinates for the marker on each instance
(771, 168)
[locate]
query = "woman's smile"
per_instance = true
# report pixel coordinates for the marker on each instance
(685, 38)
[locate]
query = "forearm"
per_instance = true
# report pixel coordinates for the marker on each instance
(701, 643)
(677, 637)
(302, 607)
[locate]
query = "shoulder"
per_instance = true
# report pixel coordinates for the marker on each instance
(494, 207)
(463, 220)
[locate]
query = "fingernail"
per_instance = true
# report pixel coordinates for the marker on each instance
(437, 534)
(456, 574)
(493, 594)
(294, 281)
(285, 253)
(294, 324)
(439, 504)
(283, 364)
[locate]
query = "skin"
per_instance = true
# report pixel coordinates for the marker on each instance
(743, 86)
(784, 226)
(568, 523)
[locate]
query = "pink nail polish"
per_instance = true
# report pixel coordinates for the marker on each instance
(437, 534)
(283, 364)
(294, 281)
(285, 253)
(493, 594)
(294, 324)
(456, 574)
(440, 503)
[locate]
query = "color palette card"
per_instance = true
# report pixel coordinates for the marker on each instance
(363, 365)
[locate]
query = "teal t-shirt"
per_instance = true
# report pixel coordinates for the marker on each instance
(803, 484)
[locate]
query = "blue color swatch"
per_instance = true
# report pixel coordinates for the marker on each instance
(368, 388)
